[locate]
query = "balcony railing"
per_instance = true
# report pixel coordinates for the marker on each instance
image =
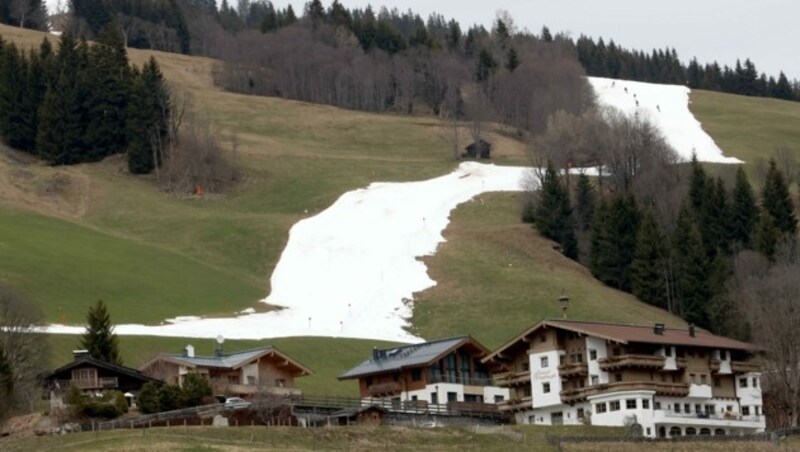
(109, 382)
(515, 404)
(461, 380)
(573, 369)
(85, 384)
(744, 367)
(662, 389)
(716, 417)
(384, 388)
(631, 360)
(681, 363)
(513, 378)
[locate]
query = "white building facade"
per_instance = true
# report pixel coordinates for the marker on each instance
(668, 382)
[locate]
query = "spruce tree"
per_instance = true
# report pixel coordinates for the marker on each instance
(512, 59)
(99, 338)
(697, 187)
(59, 138)
(744, 211)
(766, 236)
(647, 269)
(600, 251)
(692, 270)
(776, 201)
(614, 241)
(553, 214)
(584, 203)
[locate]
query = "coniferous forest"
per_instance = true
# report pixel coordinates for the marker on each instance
(82, 103)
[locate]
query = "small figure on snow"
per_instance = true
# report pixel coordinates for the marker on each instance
(613, 83)
(626, 90)
(637, 103)
(658, 107)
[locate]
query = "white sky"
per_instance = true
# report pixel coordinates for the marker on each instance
(721, 30)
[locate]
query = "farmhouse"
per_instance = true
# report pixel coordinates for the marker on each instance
(93, 376)
(478, 149)
(438, 372)
(240, 373)
(671, 382)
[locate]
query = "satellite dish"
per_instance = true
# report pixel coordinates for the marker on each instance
(220, 340)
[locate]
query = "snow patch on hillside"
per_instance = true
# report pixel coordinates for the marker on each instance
(352, 270)
(666, 106)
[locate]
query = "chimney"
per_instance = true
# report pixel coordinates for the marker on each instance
(76, 354)
(376, 354)
(691, 329)
(188, 351)
(658, 329)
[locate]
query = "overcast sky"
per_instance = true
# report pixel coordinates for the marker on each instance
(763, 30)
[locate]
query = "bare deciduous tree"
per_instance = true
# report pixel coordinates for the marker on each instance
(769, 297)
(26, 352)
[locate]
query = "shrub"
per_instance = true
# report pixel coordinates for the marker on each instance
(148, 400)
(195, 389)
(170, 397)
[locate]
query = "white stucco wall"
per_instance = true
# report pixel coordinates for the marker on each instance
(594, 343)
(541, 375)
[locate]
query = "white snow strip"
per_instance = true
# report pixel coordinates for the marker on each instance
(351, 270)
(667, 106)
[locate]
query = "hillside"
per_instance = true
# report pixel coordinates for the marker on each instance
(71, 235)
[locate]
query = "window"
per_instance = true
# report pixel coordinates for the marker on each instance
(677, 407)
(691, 431)
(689, 354)
(755, 382)
(703, 380)
(498, 398)
(542, 338)
(280, 382)
(581, 414)
(251, 380)
(656, 405)
(600, 407)
(233, 379)
(743, 382)
(698, 409)
(615, 351)
(617, 377)
(711, 409)
(452, 397)
(646, 404)
(595, 380)
(745, 411)
(581, 383)
(414, 398)
(687, 408)
(368, 381)
(544, 361)
(729, 408)
(613, 406)
(416, 374)
(592, 355)
(757, 409)
(526, 366)
(546, 388)
(473, 398)
(692, 378)
(526, 391)
(630, 404)
(648, 431)
(557, 418)
(717, 382)
(434, 398)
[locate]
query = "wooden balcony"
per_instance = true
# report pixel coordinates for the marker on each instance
(512, 378)
(661, 389)
(525, 403)
(573, 370)
(741, 367)
(631, 360)
(681, 363)
(389, 388)
(714, 365)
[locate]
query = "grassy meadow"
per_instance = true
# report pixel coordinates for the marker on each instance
(72, 235)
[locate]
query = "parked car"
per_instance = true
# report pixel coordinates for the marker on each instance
(236, 403)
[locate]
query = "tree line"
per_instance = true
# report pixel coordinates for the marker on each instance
(664, 66)
(82, 103)
(675, 249)
(30, 14)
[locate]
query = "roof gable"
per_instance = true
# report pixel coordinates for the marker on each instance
(414, 355)
(233, 360)
(625, 334)
(88, 360)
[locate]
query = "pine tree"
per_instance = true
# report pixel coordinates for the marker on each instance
(600, 251)
(553, 214)
(647, 269)
(697, 187)
(744, 211)
(99, 339)
(766, 236)
(512, 59)
(776, 201)
(584, 203)
(59, 138)
(486, 66)
(614, 241)
(692, 269)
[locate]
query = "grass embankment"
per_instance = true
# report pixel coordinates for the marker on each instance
(749, 128)
(337, 438)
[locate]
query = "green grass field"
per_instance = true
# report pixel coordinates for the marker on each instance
(151, 255)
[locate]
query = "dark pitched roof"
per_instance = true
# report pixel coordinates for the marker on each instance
(625, 334)
(228, 360)
(122, 370)
(409, 356)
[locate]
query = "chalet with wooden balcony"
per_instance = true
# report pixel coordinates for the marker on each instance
(672, 381)
(94, 376)
(244, 373)
(437, 372)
